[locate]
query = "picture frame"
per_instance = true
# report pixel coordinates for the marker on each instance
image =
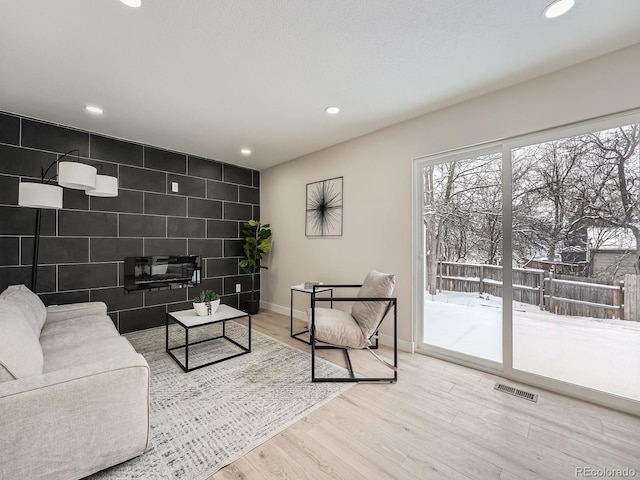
(324, 208)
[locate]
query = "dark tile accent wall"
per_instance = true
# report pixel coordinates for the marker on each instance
(189, 186)
(201, 167)
(127, 201)
(9, 129)
(56, 250)
(204, 208)
(165, 160)
(117, 151)
(9, 189)
(161, 204)
(10, 250)
(141, 179)
(83, 245)
(88, 224)
(53, 138)
(24, 162)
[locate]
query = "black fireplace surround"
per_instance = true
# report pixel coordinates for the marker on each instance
(161, 271)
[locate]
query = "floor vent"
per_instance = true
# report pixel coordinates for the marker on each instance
(532, 397)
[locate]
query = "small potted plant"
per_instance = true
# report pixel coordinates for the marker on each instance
(257, 242)
(206, 303)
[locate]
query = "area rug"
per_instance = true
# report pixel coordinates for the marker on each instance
(206, 419)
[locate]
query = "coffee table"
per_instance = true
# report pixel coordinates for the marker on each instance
(188, 319)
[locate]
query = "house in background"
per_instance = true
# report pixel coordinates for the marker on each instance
(612, 253)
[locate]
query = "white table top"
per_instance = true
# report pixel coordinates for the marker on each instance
(300, 288)
(189, 318)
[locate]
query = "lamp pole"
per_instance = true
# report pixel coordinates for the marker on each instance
(39, 195)
(36, 234)
(36, 247)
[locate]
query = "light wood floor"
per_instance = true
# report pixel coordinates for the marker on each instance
(444, 421)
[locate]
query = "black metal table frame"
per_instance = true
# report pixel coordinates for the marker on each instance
(185, 366)
(310, 293)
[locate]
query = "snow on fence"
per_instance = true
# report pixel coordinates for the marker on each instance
(561, 294)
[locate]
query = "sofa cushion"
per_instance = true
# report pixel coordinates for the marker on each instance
(85, 352)
(62, 333)
(368, 314)
(337, 328)
(20, 351)
(56, 313)
(30, 304)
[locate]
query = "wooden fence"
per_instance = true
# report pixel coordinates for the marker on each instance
(561, 294)
(632, 297)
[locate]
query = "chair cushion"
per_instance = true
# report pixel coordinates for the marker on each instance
(32, 307)
(369, 314)
(337, 328)
(20, 351)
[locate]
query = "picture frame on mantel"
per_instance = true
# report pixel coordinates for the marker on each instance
(324, 204)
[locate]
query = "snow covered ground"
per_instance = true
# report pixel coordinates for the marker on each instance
(594, 353)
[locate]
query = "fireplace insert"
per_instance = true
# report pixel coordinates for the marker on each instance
(161, 271)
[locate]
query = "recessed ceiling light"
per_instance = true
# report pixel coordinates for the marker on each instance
(559, 7)
(132, 3)
(332, 110)
(245, 151)
(93, 109)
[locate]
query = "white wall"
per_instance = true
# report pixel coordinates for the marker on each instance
(377, 171)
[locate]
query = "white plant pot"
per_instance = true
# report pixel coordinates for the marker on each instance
(201, 308)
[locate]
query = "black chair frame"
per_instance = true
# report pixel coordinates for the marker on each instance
(391, 302)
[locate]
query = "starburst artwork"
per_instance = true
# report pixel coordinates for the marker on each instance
(324, 208)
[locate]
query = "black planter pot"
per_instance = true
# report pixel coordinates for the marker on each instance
(252, 306)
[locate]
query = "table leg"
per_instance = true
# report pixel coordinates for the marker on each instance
(186, 349)
(291, 315)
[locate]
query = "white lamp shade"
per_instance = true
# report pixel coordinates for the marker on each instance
(39, 195)
(106, 186)
(78, 176)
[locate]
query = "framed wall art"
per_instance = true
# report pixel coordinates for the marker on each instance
(324, 208)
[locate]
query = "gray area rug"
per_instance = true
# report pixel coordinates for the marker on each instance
(204, 420)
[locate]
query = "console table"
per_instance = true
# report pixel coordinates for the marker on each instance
(188, 319)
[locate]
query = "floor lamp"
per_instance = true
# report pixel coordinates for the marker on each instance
(43, 194)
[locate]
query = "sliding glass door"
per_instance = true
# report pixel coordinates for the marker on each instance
(576, 231)
(528, 259)
(462, 215)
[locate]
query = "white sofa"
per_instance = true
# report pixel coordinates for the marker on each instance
(74, 394)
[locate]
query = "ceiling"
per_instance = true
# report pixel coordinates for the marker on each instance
(209, 77)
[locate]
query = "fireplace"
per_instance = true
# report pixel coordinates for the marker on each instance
(161, 271)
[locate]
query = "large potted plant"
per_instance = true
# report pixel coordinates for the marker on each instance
(257, 242)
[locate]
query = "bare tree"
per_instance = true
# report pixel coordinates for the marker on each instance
(616, 200)
(549, 186)
(462, 213)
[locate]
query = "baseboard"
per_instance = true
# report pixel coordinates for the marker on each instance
(403, 345)
(283, 310)
(386, 340)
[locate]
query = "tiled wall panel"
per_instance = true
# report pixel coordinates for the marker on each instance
(83, 245)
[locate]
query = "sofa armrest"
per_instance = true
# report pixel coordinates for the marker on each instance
(70, 423)
(75, 310)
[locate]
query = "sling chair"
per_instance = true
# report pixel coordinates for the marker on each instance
(331, 328)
